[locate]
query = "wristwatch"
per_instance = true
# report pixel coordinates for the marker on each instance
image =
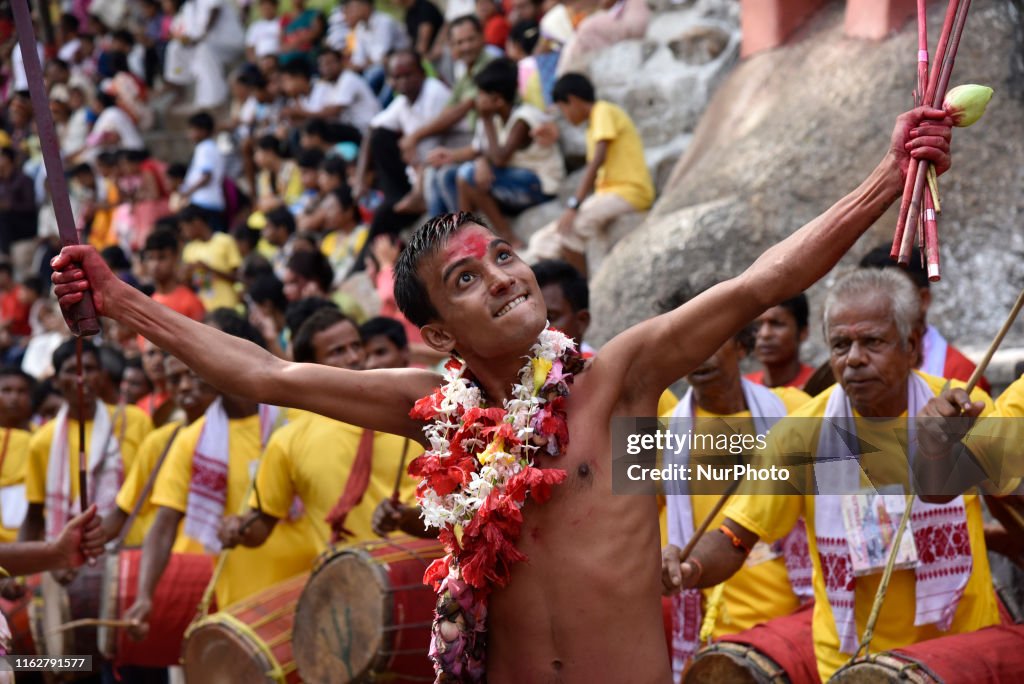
(572, 203)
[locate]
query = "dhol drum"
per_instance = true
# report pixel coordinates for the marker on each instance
(993, 655)
(17, 614)
(366, 613)
(55, 605)
(175, 601)
(780, 651)
(249, 641)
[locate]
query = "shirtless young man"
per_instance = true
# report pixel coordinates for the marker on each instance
(586, 606)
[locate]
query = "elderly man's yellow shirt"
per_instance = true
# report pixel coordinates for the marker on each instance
(772, 516)
(312, 457)
(131, 428)
(246, 571)
(760, 592)
(997, 441)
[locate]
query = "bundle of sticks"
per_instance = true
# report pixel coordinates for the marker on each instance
(919, 209)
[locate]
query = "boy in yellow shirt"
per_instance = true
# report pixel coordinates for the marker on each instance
(615, 182)
(211, 258)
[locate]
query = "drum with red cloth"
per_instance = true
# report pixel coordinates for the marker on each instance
(993, 655)
(249, 641)
(55, 605)
(779, 651)
(175, 601)
(366, 613)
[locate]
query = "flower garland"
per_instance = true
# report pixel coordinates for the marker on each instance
(475, 478)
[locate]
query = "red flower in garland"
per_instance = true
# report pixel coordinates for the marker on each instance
(444, 476)
(488, 543)
(537, 482)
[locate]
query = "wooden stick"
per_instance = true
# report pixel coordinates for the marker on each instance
(94, 622)
(699, 532)
(83, 454)
(401, 470)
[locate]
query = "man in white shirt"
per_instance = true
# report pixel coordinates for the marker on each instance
(376, 36)
(419, 99)
(346, 103)
(357, 103)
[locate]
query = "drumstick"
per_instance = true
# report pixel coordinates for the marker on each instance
(685, 553)
(883, 585)
(401, 471)
(80, 317)
(94, 622)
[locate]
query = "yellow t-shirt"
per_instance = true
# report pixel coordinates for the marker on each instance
(624, 171)
(134, 426)
(759, 592)
(246, 571)
(145, 460)
(996, 441)
(312, 457)
(341, 249)
(221, 253)
(14, 447)
(772, 516)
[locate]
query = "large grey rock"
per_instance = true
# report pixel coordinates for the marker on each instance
(793, 129)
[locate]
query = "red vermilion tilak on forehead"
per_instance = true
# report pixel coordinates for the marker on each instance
(468, 243)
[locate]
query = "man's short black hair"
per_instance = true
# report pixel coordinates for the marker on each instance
(282, 218)
(15, 372)
(312, 266)
(322, 319)
(235, 324)
(160, 241)
(67, 351)
(115, 258)
(410, 292)
(6, 267)
(798, 307)
(125, 36)
(192, 212)
(271, 143)
(177, 170)
(201, 120)
(298, 311)
(387, 327)
(915, 270)
(112, 362)
(267, 288)
(297, 67)
(318, 127)
(573, 84)
(573, 285)
(334, 166)
(409, 52)
(471, 19)
(500, 77)
(243, 233)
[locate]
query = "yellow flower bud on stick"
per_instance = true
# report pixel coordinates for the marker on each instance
(966, 103)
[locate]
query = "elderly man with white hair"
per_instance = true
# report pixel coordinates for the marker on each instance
(853, 440)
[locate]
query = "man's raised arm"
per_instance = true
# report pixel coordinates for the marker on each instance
(379, 399)
(659, 351)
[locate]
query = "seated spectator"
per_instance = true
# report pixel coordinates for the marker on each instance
(267, 305)
(344, 236)
(308, 162)
(279, 234)
(616, 181)
(374, 35)
(308, 274)
(161, 256)
(14, 310)
(303, 29)
(319, 99)
(143, 192)
(522, 41)
(616, 21)
(100, 212)
(384, 343)
(17, 202)
(114, 128)
(355, 101)
(504, 168)
(277, 180)
(203, 186)
(494, 22)
(419, 99)
(263, 37)
(134, 383)
(51, 334)
(211, 259)
(465, 37)
(423, 22)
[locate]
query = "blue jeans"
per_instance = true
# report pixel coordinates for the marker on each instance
(513, 188)
(443, 197)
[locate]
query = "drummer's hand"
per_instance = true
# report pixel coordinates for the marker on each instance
(675, 575)
(230, 532)
(81, 539)
(11, 589)
(387, 517)
(138, 615)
